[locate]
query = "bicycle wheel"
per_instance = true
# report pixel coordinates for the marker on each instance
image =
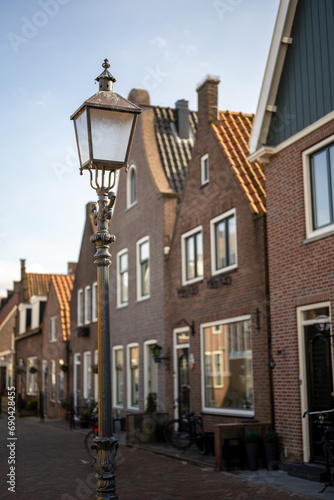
(200, 438)
(90, 446)
(178, 434)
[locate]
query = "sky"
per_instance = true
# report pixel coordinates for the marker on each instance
(51, 52)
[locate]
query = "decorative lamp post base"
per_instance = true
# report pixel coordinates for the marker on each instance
(106, 468)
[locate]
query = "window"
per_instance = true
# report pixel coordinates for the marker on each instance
(32, 375)
(80, 307)
(87, 389)
(143, 268)
(192, 256)
(227, 367)
(118, 376)
(205, 169)
(87, 305)
(52, 375)
(131, 194)
(318, 164)
(77, 378)
(223, 242)
(53, 329)
(94, 301)
(122, 278)
(60, 381)
(133, 375)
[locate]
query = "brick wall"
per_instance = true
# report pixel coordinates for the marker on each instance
(300, 273)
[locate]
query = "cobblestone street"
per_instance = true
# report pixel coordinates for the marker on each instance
(51, 463)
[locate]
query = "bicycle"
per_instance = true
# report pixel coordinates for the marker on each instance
(327, 441)
(182, 432)
(89, 443)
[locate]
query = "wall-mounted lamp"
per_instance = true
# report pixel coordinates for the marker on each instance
(156, 351)
(191, 326)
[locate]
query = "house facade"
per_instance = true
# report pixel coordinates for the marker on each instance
(143, 223)
(7, 348)
(83, 318)
(56, 346)
(217, 294)
(293, 135)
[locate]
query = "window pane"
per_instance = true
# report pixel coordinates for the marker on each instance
(119, 376)
(144, 251)
(220, 245)
(320, 181)
(228, 367)
(232, 241)
(134, 352)
(123, 270)
(199, 256)
(190, 257)
(133, 186)
(144, 268)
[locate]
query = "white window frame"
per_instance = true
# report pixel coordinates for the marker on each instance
(87, 375)
(140, 296)
(129, 202)
(205, 169)
(80, 307)
(213, 223)
(31, 361)
(88, 305)
(52, 380)
(184, 237)
(114, 349)
(119, 281)
(310, 232)
(53, 329)
(148, 360)
(128, 371)
(94, 302)
(222, 411)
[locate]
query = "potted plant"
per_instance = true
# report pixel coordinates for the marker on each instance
(252, 445)
(84, 418)
(270, 442)
(33, 369)
(64, 367)
(19, 369)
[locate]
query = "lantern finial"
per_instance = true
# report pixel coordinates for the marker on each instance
(105, 79)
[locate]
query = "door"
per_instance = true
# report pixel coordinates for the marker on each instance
(319, 379)
(181, 368)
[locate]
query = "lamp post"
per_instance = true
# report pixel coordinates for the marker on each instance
(104, 128)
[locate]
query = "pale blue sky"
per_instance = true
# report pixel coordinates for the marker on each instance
(51, 52)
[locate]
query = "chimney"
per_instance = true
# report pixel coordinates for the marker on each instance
(182, 118)
(24, 282)
(207, 91)
(71, 268)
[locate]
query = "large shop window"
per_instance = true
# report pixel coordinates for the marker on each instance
(227, 367)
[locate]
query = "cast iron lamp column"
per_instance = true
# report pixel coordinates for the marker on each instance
(104, 127)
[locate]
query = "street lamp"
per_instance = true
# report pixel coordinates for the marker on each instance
(104, 128)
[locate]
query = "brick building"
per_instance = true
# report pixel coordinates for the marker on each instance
(7, 349)
(83, 316)
(143, 223)
(55, 345)
(216, 296)
(294, 134)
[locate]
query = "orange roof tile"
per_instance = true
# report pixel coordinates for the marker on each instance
(232, 132)
(37, 284)
(63, 284)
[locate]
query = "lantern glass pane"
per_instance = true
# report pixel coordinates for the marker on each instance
(81, 128)
(110, 134)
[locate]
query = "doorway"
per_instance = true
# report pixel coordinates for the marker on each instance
(316, 331)
(181, 371)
